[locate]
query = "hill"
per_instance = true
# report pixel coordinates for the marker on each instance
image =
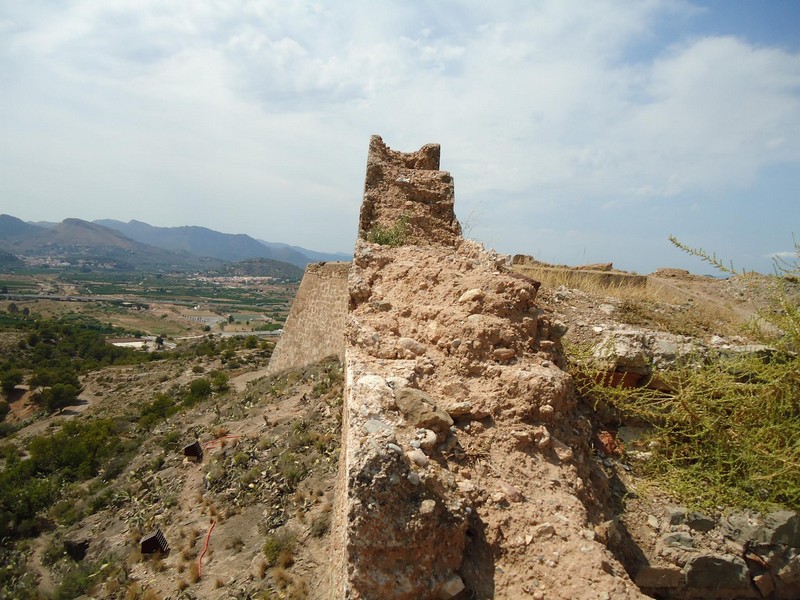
(262, 267)
(79, 243)
(202, 241)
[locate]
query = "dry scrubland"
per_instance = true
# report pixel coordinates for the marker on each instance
(267, 478)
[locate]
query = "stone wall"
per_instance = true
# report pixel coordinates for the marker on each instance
(406, 189)
(456, 418)
(315, 327)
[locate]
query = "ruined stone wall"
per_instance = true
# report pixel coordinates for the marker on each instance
(465, 469)
(315, 326)
(406, 190)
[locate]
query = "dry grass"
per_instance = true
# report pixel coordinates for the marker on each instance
(194, 572)
(667, 308)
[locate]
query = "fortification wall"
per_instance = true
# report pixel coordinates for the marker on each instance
(315, 327)
(457, 418)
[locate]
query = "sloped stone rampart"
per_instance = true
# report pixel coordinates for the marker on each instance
(315, 326)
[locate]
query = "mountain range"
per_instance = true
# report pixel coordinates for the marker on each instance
(111, 244)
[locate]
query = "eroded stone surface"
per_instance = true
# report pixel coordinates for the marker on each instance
(496, 500)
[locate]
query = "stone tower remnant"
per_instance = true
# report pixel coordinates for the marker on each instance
(408, 189)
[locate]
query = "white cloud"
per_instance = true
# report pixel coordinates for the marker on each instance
(542, 107)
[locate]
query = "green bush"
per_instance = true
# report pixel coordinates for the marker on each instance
(729, 432)
(393, 236)
(279, 546)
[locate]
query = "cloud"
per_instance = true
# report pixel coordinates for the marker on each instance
(547, 109)
(786, 254)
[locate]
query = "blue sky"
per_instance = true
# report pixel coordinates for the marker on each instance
(576, 131)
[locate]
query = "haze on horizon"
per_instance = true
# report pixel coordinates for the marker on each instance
(576, 132)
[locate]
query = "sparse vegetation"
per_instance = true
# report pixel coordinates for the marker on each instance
(279, 547)
(729, 431)
(392, 236)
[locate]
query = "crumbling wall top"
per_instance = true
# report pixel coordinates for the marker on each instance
(407, 199)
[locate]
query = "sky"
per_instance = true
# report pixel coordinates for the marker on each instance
(576, 131)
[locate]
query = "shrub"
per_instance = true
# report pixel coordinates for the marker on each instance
(729, 432)
(393, 236)
(279, 547)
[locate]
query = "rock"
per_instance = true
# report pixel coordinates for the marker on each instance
(419, 409)
(544, 531)
(394, 448)
(625, 349)
(459, 409)
(512, 493)
(558, 330)
(426, 507)
(452, 587)
(676, 515)
(418, 457)
(659, 577)
(474, 295)
(700, 522)
(541, 437)
(764, 583)
(427, 439)
(782, 527)
(714, 571)
(742, 527)
(503, 354)
(373, 425)
(789, 574)
(679, 539)
(652, 521)
(411, 345)
(563, 452)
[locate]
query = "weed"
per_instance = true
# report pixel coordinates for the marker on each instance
(727, 433)
(393, 236)
(194, 572)
(281, 578)
(279, 547)
(321, 524)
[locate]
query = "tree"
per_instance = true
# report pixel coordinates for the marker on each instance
(159, 342)
(13, 308)
(60, 396)
(10, 380)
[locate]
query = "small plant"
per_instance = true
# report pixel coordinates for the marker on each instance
(279, 547)
(194, 572)
(727, 433)
(393, 236)
(321, 524)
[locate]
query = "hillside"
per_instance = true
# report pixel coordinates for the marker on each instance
(92, 245)
(262, 267)
(202, 241)
(79, 243)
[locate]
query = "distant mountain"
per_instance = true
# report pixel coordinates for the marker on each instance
(202, 241)
(79, 243)
(12, 227)
(111, 244)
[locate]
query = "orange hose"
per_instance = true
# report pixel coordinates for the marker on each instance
(203, 553)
